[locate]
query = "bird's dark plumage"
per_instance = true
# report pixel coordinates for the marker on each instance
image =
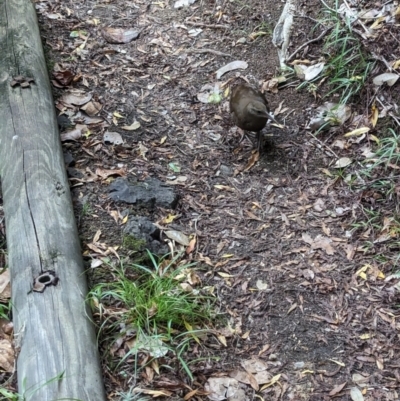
(249, 110)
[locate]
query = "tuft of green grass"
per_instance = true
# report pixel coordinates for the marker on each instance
(153, 296)
(347, 66)
(130, 395)
(5, 311)
(131, 243)
(86, 209)
(346, 62)
(155, 305)
(389, 152)
(7, 395)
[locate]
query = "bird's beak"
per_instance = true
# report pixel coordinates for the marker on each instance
(273, 119)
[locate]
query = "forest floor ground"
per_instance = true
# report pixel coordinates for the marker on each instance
(301, 255)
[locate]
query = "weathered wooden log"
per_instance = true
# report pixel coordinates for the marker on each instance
(58, 356)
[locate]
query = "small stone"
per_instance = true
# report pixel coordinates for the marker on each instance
(299, 365)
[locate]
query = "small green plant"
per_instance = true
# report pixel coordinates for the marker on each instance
(27, 394)
(86, 209)
(153, 295)
(347, 66)
(7, 395)
(371, 220)
(5, 311)
(131, 243)
(389, 152)
(152, 301)
(131, 395)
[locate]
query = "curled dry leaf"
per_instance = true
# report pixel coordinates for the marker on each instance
(360, 380)
(191, 246)
(386, 78)
(358, 131)
(240, 376)
(261, 285)
(103, 173)
(183, 3)
(343, 162)
(4, 280)
(255, 156)
(91, 108)
(356, 394)
(195, 32)
(6, 356)
(319, 242)
(234, 65)
(134, 126)
(224, 188)
(271, 382)
(113, 137)
(254, 365)
(307, 73)
(74, 134)
(319, 205)
(64, 77)
(119, 35)
(337, 389)
(76, 97)
(272, 84)
(81, 116)
(153, 393)
(178, 237)
(96, 263)
(221, 388)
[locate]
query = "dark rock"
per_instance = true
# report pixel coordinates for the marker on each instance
(64, 122)
(69, 159)
(225, 170)
(141, 228)
(75, 173)
(148, 193)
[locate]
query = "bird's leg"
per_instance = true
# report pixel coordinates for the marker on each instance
(259, 142)
(243, 134)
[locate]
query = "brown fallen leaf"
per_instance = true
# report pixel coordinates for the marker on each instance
(74, 134)
(191, 246)
(253, 216)
(107, 173)
(337, 389)
(120, 35)
(153, 393)
(7, 356)
(320, 242)
(255, 156)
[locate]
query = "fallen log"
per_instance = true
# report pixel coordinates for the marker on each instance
(54, 337)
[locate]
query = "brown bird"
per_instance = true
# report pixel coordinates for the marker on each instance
(249, 110)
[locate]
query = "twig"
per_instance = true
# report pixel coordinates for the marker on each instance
(216, 52)
(329, 8)
(308, 17)
(324, 144)
(381, 58)
(308, 42)
(216, 26)
(390, 113)
(359, 21)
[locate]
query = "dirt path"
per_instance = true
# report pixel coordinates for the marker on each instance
(284, 260)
